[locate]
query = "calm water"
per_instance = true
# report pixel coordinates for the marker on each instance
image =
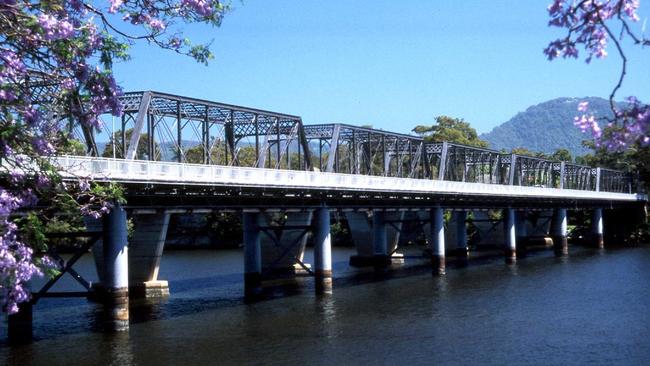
(591, 308)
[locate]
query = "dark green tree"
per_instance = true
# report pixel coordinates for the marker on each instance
(562, 155)
(450, 129)
(143, 146)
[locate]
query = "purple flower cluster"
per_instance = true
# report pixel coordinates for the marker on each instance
(55, 29)
(585, 23)
(70, 47)
(17, 262)
(202, 7)
(631, 125)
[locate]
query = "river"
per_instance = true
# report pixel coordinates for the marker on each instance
(590, 308)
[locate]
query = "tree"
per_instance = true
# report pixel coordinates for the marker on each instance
(142, 151)
(451, 130)
(562, 155)
(56, 62)
(592, 25)
(525, 152)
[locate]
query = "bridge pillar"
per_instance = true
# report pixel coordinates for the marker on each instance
(380, 243)
(20, 327)
(560, 242)
(145, 250)
(462, 251)
(116, 270)
(322, 251)
(252, 253)
(281, 252)
(437, 245)
(510, 235)
(597, 227)
(521, 231)
(361, 229)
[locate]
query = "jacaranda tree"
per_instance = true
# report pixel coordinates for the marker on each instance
(593, 25)
(56, 75)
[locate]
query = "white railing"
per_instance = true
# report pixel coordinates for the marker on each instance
(120, 170)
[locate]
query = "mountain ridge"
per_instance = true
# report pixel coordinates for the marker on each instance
(547, 126)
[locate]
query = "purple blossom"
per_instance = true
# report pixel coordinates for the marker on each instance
(42, 146)
(115, 6)
(7, 95)
(582, 106)
(202, 7)
(55, 29)
(156, 24)
(84, 185)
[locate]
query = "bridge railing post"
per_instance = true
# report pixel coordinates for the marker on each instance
(512, 171)
(443, 161)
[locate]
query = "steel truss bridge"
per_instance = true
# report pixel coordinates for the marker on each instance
(176, 155)
(170, 146)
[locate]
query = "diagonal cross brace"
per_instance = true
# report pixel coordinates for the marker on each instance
(67, 267)
(284, 253)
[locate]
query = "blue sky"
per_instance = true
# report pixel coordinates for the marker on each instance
(390, 64)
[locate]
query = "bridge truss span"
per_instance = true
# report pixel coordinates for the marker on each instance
(161, 127)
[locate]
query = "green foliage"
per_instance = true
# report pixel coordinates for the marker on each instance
(141, 152)
(562, 155)
(451, 130)
(224, 228)
(525, 152)
(72, 147)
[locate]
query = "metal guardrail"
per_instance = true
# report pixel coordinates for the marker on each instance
(120, 170)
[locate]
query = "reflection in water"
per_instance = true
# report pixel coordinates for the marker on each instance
(542, 310)
(326, 314)
(121, 352)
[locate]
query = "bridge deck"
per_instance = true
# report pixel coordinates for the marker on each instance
(308, 184)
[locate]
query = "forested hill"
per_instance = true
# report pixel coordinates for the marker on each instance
(547, 127)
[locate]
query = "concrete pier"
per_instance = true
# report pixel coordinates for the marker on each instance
(360, 224)
(462, 250)
(521, 231)
(279, 253)
(437, 244)
(560, 242)
(145, 250)
(380, 243)
(597, 228)
(116, 270)
(20, 326)
(510, 235)
(252, 254)
(322, 251)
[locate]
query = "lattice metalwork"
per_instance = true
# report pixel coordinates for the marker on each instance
(529, 171)
(164, 127)
(579, 177)
(463, 163)
(613, 180)
(350, 149)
